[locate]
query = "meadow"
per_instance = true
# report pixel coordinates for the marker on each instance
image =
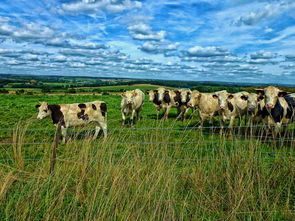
(153, 171)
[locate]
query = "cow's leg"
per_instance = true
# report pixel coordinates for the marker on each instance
(104, 128)
(185, 113)
(166, 112)
(230, 127)
(201, 120)
(132, 116)
(179, 113)
(97, 129)
(158, 111)
(123, 117)
(139, 113)
(221, 126)
(64, 134)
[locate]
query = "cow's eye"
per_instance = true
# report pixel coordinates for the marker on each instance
(45, 111)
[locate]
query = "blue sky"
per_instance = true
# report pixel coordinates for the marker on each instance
(201, 40)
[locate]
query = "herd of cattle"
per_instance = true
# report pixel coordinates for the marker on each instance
(270, 106)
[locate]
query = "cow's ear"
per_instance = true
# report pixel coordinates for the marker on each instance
(155, 91)
(37, 105)
(231, 96)
(215, 96)
(243, 97)
(282, 93)
(259, 91)
(123, 94)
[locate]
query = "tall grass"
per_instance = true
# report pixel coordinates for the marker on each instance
(142, 175)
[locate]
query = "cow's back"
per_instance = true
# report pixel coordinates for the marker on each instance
(208, 104)
(83, 113)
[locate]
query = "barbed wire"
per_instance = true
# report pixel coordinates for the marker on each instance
(156, 158)
(156, 128)
(154, 143)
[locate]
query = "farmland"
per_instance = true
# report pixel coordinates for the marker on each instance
(153, 171)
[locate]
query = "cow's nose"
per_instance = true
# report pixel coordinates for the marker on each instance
(222, 107)
(269, 105)
(190, 105)
(130, 102)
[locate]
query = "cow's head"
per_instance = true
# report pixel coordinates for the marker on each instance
(194, 98)
(185, 95)
(129, 96)
(161, 93)
(223, 97)
(152, 94)
(44, 110)
(271, 95)
(252, 101)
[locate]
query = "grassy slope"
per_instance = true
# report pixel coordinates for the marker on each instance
(143, 174)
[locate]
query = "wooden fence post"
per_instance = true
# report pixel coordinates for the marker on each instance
(55, 147)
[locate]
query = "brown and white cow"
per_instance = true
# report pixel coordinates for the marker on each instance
(154, 98)
(162, 98)
(183, 97)
(279, 107)
(231, 106)
(131, 103)
(72, 115)
(207, 106)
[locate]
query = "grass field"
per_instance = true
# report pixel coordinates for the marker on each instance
(153, 171)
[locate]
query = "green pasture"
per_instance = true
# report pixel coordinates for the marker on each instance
(153, 171)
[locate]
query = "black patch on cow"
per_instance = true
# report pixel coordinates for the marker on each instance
(230, 106)
(37, 105)
(56, 114)
(167, 98)
(177, 98)
(82, 106)
(156, 98)
(94, 107)
(291, 106)
(82, 115)
(103, 109)
(277, 112)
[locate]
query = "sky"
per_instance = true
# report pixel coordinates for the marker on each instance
(199, 40)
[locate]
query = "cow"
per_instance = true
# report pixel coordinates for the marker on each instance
(132, 101)
(205, 103)
(182, 98)
(279, 107)
(162, 99)
(231, 106)
(154, 98)
(169, 99)
(78, 114)
(255, 105)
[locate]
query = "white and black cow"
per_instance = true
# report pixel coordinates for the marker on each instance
(182, 97)
(72, 115)
(154, 98)
(279, 106)
(231, 106)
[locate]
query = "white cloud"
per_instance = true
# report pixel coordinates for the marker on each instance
(198, 51)
(262, 55)
(266, 12)
(93, 6)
